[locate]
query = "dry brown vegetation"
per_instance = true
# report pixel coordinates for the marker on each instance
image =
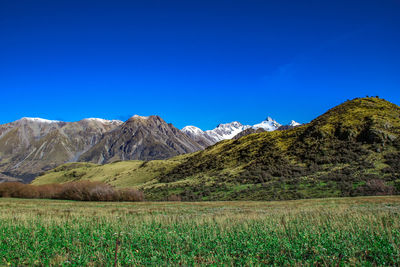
(82, 190)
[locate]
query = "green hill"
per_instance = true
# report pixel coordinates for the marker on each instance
(353, 149)
(119, 174)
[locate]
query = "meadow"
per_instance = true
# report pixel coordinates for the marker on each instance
(337, 231)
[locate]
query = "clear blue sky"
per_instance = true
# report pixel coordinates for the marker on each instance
(195, 62)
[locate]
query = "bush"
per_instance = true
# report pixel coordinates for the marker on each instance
(174, 198)
(375, 187)
(130, 195)
(83, 191)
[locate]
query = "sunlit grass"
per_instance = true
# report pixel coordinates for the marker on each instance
(349, 231)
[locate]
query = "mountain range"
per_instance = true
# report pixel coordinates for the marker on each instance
(351, 150)
(30, 146)
(232, 130)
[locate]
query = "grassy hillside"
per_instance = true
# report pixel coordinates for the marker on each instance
(353, 149)
(119, 174)
(320, 232)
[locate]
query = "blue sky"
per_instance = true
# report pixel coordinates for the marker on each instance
(195, 62)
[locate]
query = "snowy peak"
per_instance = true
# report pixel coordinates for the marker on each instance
(227, 130)
(199, 136)
(234, 124)
(294, 123)
(192, 130)
(269, 125)
(230, 130)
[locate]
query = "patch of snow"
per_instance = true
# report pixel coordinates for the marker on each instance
(40, 120)
(104, 121)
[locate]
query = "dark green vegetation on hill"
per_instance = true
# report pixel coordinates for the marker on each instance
(321, 232)
(351, 150)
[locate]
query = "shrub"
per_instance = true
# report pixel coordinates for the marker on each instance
(174, 198)
(375, 187)
(130, 195)
(83, 191)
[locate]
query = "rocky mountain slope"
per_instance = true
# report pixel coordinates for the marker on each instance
(199, 136)
(353, 149)
(141, 138)
(31, 145)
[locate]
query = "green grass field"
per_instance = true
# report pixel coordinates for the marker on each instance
(344, 231)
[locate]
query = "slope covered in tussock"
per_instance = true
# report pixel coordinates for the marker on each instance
(119, 174)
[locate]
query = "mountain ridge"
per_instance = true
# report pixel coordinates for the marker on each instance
(352, 149)
(232, 130)
(145, 138)
(32, 145)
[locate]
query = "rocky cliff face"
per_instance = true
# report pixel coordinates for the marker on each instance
(141, 138)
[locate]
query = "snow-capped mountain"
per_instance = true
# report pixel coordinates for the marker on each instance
(192, 130)
(269, 125)
(140, 138)
(227, 130)
(232, 130)
(32, 145)
(294, 123)
(199, 136)
(210, 137)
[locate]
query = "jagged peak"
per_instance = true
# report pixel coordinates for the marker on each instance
(294, 123)
(269, 119)
(269, 124)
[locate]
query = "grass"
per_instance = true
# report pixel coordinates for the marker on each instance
(344, 231)
(119, 174)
